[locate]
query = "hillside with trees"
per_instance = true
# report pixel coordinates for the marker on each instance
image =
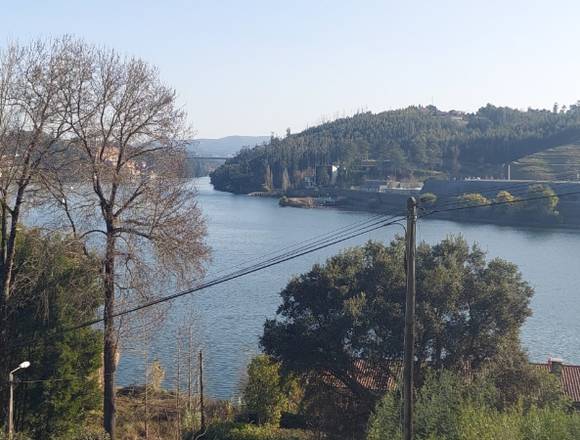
(410, 143)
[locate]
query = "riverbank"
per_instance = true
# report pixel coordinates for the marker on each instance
(446, 195)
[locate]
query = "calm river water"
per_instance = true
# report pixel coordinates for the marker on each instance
(229, 317)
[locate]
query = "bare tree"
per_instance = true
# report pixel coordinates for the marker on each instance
(119, 187)
(31, 127)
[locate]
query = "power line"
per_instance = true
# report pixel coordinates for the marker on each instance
(247, 271)
(234, 276)
(312, 243)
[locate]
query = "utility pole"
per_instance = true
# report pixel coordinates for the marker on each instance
(410, 320)
(177, 386)
(189, 368)
(201, 404)
(146, 393)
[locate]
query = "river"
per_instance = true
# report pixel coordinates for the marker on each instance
(229, 318)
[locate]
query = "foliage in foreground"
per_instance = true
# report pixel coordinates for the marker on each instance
(450, 408)
(268, 393)
(79, 433)
(236, 431)
(352, 309)
(56, 287)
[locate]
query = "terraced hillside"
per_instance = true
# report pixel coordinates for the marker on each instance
(559, 163)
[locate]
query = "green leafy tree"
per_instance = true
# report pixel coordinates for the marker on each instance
(264, 394)
(508, 203)
(543, 200)
(456, 406)
(516, 381)
(397, 160)
(57, 288)
(352, 308)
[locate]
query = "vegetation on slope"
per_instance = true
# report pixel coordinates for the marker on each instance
(552, 164)
(411, 141)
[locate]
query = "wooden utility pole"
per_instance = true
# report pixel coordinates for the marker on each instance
(146, 393)
(201, 404)
(189, 368)
(410, 319)
(177, 387)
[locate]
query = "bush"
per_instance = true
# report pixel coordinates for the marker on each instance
(480, 423)
(550, 424)
(233, 431)
(87, 433)
(428, 199)
(263, 395)
(17, 436)
(544, 200)
(473, 199)
(385, 422)
(449, 407)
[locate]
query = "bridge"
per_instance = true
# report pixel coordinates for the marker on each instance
(210, 157)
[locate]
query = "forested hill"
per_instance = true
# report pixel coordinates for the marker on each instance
(409, 143)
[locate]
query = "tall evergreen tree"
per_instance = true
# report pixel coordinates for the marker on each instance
(57, 287)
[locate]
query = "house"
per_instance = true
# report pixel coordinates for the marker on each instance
(383, 378)
(569, 377)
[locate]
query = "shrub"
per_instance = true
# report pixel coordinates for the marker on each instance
(385, 422)
(233, 431)
(451, 408)
(480, 423)
(88, 433)
(473, 199)
(543, 200)
(263, 394)
(550, 424)
(428, 199)
(507, 203)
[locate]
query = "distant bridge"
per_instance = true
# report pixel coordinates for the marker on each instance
(210, 157)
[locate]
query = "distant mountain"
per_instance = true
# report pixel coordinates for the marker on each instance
(226, 146)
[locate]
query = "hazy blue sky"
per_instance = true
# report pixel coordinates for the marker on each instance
(252, 67)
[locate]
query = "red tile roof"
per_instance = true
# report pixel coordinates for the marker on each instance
(375, 378)
(570, 379)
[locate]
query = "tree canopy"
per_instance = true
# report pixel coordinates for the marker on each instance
(352, 309)
(56, 287)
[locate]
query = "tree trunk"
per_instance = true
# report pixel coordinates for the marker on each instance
(110, 340)
(8, 253)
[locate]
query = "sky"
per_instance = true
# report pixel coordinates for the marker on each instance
(256, 67)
